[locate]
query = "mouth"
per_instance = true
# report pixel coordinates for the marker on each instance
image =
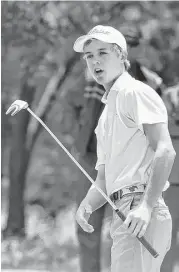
(98, 71)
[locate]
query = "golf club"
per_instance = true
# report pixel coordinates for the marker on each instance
(19, 105)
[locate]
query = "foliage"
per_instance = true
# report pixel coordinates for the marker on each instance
(47, 246)
(51, 244)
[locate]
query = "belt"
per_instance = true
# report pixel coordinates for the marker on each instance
(127, 190)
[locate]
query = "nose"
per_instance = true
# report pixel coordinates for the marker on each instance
(96, 62)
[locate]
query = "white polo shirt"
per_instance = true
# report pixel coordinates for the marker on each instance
(121, 143)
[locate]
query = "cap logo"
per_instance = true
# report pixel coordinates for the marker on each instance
(98, 31)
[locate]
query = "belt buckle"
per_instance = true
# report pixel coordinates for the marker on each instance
(120, 193)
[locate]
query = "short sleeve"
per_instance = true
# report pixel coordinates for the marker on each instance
(100, 148)
(144, 106)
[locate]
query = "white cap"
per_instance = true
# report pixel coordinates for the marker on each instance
(106, 34)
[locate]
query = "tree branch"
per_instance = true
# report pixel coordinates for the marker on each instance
(53, 85)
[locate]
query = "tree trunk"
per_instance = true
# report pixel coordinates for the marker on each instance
(19, 159)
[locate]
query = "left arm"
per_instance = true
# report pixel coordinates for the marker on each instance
(159, 139)
(146, 108)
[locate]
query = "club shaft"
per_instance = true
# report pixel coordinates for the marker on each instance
(71, 157)
(119, 213)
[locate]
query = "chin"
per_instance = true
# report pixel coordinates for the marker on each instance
(100, 81)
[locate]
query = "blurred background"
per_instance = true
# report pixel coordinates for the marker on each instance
(40, 186)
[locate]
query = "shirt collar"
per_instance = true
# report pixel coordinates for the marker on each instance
(121, 82)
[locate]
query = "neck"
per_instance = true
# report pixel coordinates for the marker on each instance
(108, 85)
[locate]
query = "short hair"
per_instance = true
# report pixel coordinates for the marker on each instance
(116, 48)
(88, 42)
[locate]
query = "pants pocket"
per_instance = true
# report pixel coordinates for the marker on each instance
(124, 206)
(136, 199)
(161, 216)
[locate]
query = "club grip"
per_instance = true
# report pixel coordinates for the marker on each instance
(146, 244)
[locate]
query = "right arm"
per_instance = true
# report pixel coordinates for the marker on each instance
(93, 201)
(94, 197)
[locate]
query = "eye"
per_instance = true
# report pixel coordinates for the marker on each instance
(89, 56)
(102, 53)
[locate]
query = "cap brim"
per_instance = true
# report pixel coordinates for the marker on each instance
(79, 43)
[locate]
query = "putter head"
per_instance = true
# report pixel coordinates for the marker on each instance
(17, 106)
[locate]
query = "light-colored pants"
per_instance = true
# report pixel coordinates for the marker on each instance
(127, 253)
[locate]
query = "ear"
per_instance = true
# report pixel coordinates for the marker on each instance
(121, 56)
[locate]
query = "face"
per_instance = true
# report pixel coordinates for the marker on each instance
(103, 62)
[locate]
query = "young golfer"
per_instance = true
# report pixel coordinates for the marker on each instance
(134, 155)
